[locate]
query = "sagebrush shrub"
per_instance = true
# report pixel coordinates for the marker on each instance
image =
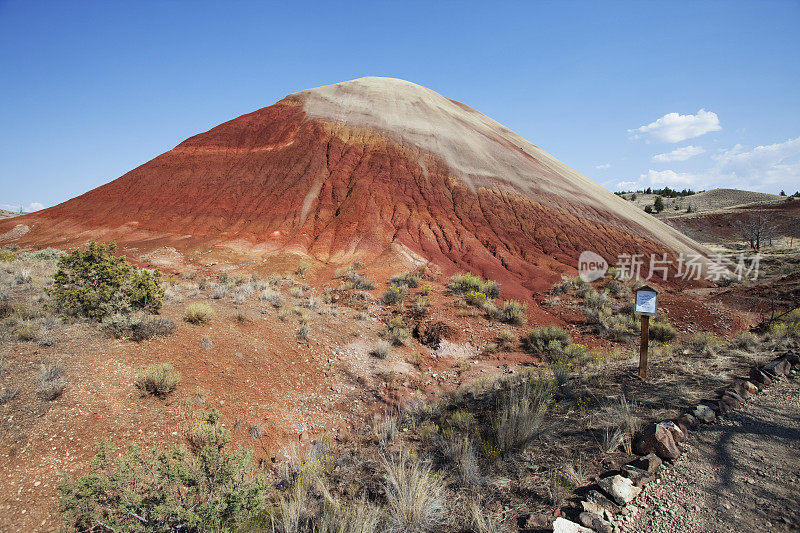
(92, 282)
(153, 327)
(512, 312)
(409, 280)
(543, 339)
(394, 295)
(662, 331)
(396, 331)
(209, 488)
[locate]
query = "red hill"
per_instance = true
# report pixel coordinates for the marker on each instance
(375, 169)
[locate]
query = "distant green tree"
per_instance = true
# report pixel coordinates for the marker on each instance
(658, 205)
(94, 283)
(648, 209)
(783, 193)
(633, 197)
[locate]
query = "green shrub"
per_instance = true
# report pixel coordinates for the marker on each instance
(94, 283)
(159, 379)
(45, 254)
(662, 331)
(512, 312)
(420, 307)
(476, 298)
(396, 331)
(198, 313)
(204, 489)
(544, 339)
(394, 295)
(466, 283)
(618, 327)
(409, 280)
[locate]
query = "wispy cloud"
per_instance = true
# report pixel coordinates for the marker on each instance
(679, 154)
(603, 166)
(674, 127)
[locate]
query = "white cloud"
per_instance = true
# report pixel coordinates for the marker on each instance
(767, 168)
(30, 208)
(674, 127)
(603, 166)
(679, 154)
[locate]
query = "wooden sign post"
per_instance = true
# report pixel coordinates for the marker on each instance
(645, 306)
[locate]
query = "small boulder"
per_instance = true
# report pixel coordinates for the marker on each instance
(649, 463)
(758, 377)
(597, 498)
(562, 525)
(750, 387)
(672, 427)
(778, 367)
(657, 439)
(728, 403)
(594, 508)
(704, 413)
(639, 477)
(536, 521)
(621, 489)
(793, 358)
(685, 422)
(595, 522)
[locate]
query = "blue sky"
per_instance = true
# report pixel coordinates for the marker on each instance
(694, 94)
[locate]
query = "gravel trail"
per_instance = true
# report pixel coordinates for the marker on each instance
(741, 473)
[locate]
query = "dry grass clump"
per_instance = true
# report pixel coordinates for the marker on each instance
(159, 379)
(198, 313)
(620, 420)
(303, 332)
(51, 380)
(415, 496)
(381, 349)
(521, 415)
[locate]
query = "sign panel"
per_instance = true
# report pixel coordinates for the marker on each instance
(646, 302)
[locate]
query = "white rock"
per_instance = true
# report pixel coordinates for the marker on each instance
(621, 489)
(562, 525)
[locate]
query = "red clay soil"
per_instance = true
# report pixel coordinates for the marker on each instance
(276, 181)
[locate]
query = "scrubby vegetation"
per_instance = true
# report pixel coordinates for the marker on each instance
(209, 488)
(198, 313)
(469, 283)
(94, 283)
(159, 379)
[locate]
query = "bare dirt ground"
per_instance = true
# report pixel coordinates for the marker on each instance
(739, 474)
